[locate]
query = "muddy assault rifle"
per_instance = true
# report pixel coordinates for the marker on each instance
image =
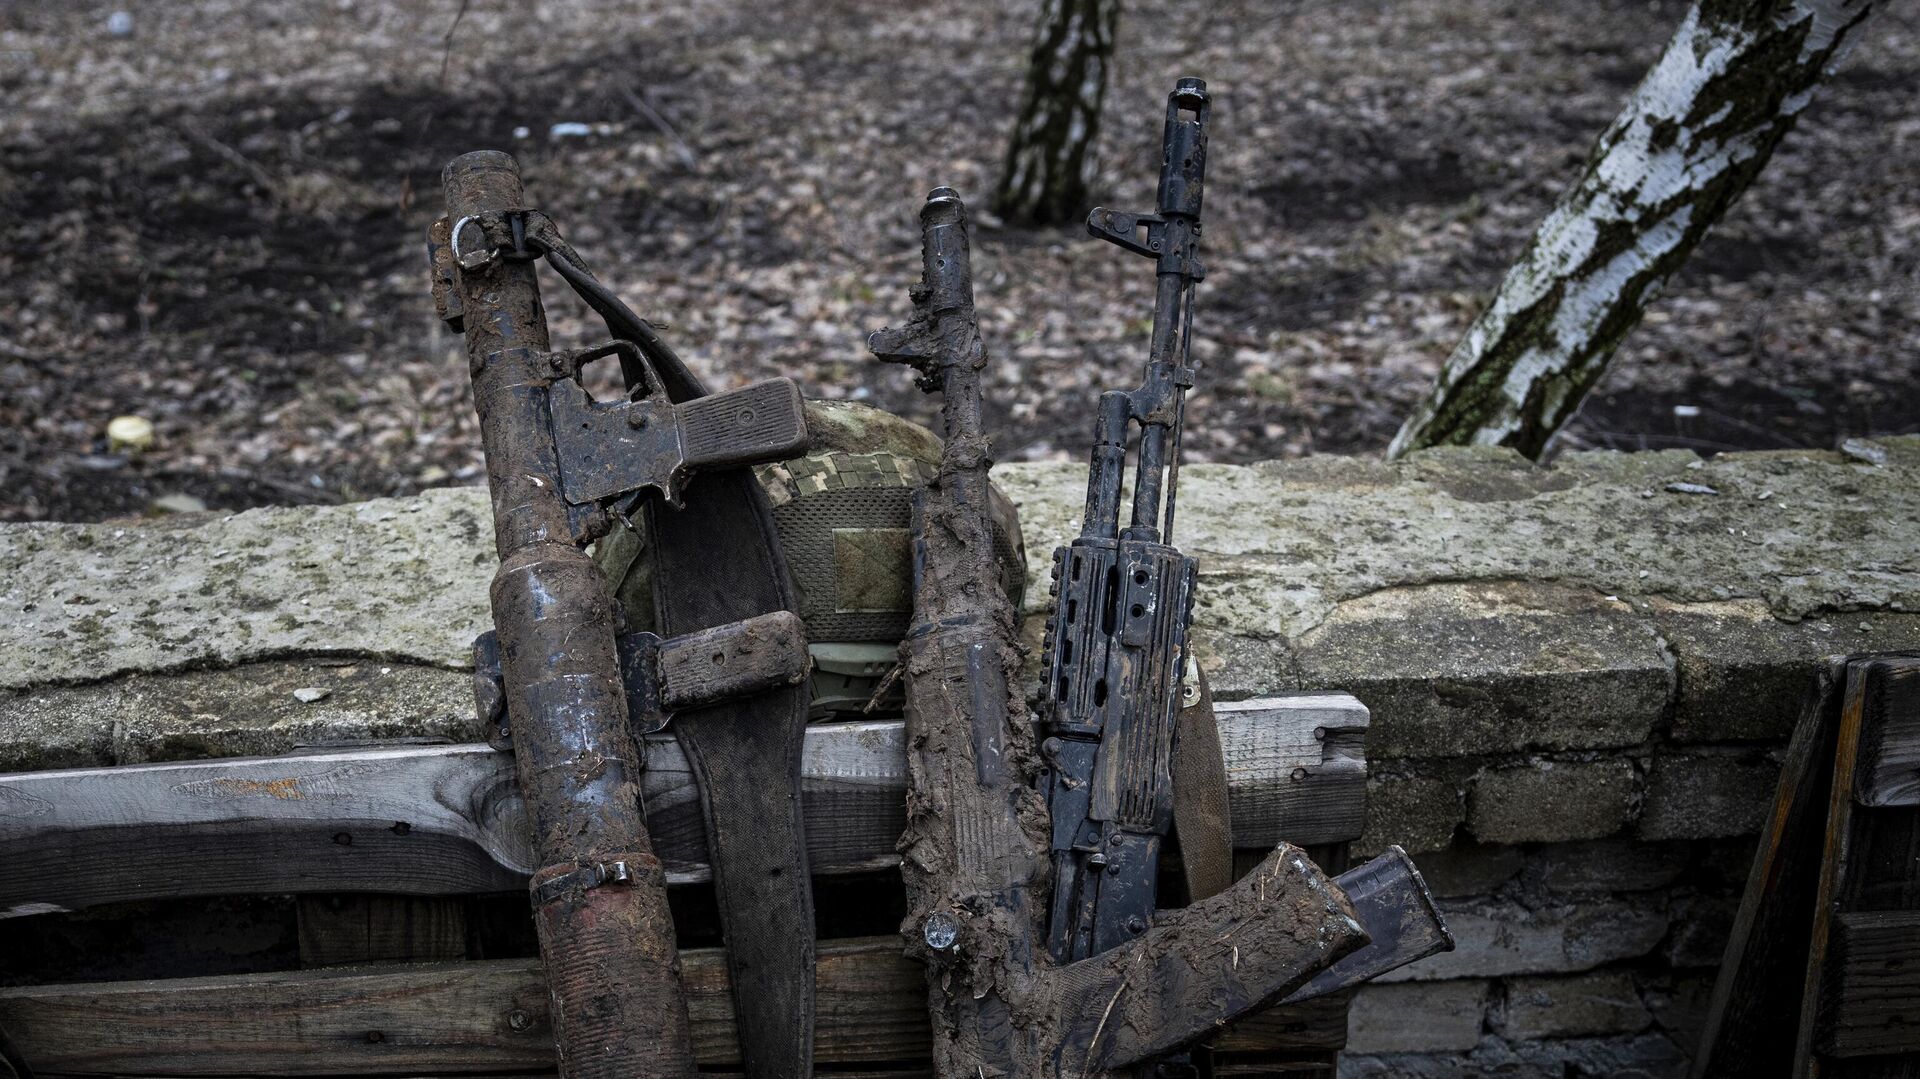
(570, 692)
(976, 855)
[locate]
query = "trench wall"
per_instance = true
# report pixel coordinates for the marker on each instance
(1580, 676)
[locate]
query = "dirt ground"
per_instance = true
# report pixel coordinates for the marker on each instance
(213, 218)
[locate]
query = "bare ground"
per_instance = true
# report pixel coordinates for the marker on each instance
(215, 222)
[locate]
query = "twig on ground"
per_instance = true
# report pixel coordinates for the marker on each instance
(232, 157)
(680, 148)
(446, 52)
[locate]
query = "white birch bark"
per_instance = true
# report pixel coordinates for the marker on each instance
(1050, 159)
(1692, 136)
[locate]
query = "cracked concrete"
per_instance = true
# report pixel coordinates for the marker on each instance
(398, 578)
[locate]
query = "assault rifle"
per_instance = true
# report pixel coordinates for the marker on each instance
(975, 856)
(1117, 648)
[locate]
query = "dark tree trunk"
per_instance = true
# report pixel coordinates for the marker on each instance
(1692, 137)
(1050, 159)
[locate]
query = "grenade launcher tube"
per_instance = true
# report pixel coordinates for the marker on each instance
(608, 948)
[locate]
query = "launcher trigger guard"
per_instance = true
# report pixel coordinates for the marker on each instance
(567, 363)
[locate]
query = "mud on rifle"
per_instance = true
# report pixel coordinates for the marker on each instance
(572, 691)
(976, 855)
(1101, 980)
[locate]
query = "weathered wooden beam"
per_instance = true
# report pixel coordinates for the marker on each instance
(1889, 757)
(457, 1018)
(447, 820)
(1874, 984)
(336, 930)
(1296, 768)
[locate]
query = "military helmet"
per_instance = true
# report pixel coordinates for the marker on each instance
(842, 515)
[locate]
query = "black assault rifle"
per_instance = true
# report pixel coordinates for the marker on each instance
(1116, 644)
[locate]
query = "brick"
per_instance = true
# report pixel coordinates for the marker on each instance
(1679, 1005)
(401, 578)
(1700, 928)
(1608, 865)
(1701, 797)
(1649, 1055)
(1468, 868)
(249, 710)
(1505, 938)
(1742, 672)
(1550, 801)
(1418, 813)
(1417, 1017)
(1604, 1002)
(1723, 865)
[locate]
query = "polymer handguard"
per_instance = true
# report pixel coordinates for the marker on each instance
(1116, 645)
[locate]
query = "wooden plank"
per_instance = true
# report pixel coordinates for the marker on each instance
(1875, 900)
(1750, 1025)
(336, 930)
(1874, 985)
(447, 820)
(1876, 686)
(1836, 837)
(452, 1018)
(1296, 768)
(1890, 751)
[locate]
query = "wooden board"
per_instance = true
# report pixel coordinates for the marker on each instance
(1890, 758)
(1874, 985)
(336, 930)
(1752, 1013)
(1817, 980)
(1301, 779)
(447, 820)
(454, 1018)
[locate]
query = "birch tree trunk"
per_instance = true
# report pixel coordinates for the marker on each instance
(1050, 159)
(1693, 135)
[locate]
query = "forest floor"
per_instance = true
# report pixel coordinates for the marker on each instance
(214, 219)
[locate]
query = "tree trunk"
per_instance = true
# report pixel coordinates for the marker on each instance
(1050, 160)
(1691, 138)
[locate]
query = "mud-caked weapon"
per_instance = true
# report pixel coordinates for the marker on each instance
(976, 856)
(569, 689)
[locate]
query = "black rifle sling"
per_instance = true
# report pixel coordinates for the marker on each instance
(715, 562)
(718, 560)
